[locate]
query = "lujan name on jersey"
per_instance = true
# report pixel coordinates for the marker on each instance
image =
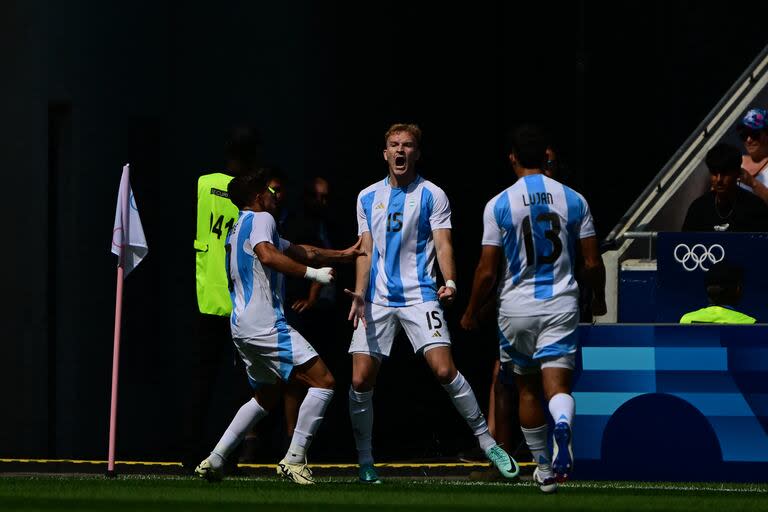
(537, 223)
(401, 221)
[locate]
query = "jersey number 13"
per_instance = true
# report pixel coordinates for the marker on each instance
(532, 256)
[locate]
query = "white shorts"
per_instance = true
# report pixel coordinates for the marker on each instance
(530, 343)
(424, 324)
(274, 356)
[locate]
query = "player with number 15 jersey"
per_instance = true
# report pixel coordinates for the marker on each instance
(404, 223)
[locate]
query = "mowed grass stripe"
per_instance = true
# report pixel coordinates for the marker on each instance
(169, 493)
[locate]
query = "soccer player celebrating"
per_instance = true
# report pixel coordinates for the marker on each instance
(532, 227)
(273, 352)
(405, 222)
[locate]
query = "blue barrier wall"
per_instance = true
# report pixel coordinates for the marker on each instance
(672, 402)
(637, 296)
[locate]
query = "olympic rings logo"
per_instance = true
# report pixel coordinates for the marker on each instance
(698, 256)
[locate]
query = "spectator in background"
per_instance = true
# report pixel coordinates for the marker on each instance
(724, 283)
(726, 206)
(753, 130)
(310, 228)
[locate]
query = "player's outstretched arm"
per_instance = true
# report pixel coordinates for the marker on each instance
(482, 284)
(594, 272)
(312, 255)
(362, 274)
(302, 305)
(271, 257)
(444, 248)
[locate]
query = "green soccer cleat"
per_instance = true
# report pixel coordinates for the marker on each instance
(503, 462)
(207, 471)
(368, 475)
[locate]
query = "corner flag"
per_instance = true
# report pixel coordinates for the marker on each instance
(130, 246)
(128, 241)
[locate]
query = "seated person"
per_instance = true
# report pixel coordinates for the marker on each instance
(726, 207)
(753, 130)
(724, 288)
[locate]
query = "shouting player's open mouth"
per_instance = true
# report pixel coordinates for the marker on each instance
(400, 161)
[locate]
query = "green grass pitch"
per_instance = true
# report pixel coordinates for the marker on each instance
(162, 493)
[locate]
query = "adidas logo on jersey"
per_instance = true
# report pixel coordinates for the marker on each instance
(437, 335)
(380, 206)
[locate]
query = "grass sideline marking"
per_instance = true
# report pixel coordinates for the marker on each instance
(264, 466)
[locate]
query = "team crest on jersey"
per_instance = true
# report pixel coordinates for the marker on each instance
(437, 335)
(380, 206)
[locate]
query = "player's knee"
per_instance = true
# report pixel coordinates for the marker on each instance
(361, 382)
(327, 381)
(528, 396)
(445, 373)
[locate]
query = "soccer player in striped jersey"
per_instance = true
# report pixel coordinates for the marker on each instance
(273, 352)
(532, 229)
(404, 222)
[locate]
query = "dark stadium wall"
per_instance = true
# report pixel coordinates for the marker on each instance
(88, 87)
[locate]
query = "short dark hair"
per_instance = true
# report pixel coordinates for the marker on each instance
(529, 143)
(723, 159)
(244, 146)
(242, 189)
(723, 281)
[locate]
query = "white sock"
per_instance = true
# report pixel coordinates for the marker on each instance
(465, 402)
(244, 420)
(562, 408)
(311, 415)
(536, 439)
(361, 415)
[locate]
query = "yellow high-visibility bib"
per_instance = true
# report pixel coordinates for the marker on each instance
(215, 217)
(716, 315)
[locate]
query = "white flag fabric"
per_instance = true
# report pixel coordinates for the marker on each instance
(128, 241)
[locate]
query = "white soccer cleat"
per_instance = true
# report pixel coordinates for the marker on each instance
(299, 473)
(545, 480)
(208, 471)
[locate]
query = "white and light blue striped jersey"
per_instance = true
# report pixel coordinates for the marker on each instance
(537, 223)
(401, 221)
(256, 291)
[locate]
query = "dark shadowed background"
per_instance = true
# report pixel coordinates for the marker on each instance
(87, 86)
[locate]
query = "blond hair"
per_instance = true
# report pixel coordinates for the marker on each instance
(413, 129)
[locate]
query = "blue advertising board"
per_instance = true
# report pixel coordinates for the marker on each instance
(672, 402)
(684, 258)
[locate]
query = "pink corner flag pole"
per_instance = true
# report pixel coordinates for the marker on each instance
(115, 370)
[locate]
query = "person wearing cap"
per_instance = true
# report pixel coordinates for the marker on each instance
(753, 130)
(724, 289)
(726, 206)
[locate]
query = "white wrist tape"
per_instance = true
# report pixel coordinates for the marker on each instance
(320, 275)
(450, 284)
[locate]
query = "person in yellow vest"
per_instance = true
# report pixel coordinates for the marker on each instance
(724, 283)
(216, 215)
